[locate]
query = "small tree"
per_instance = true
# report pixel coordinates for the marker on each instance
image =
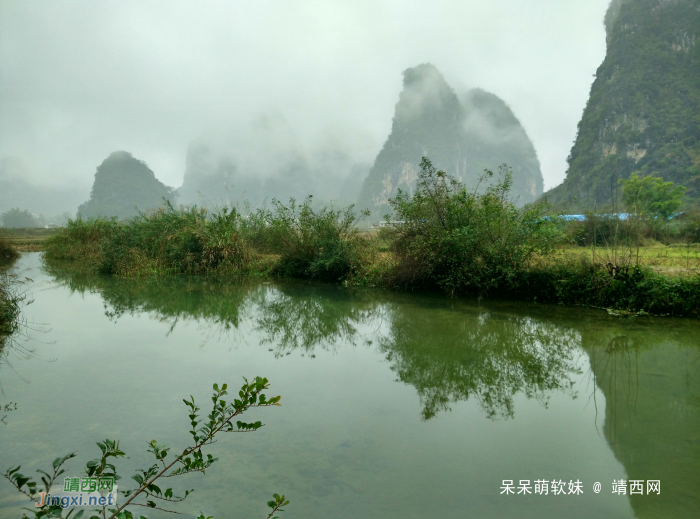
(465, 241)
(651, 197)
(16, 218)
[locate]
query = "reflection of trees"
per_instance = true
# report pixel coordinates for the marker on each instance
(6, 408)
(459, 356)
(220, 302)
(307, 316)
(446, 355)
(15, 331)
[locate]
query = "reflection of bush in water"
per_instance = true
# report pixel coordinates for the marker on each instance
(219, 301)
(453, 359)
(308, 317)
(447, 355)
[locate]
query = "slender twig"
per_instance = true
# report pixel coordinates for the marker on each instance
(204, 441)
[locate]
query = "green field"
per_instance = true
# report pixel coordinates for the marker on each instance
(671, 260)
(28, 240)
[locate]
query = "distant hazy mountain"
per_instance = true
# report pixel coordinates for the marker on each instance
(643, 113)
(16, 190)
(124, 186)
(460, 136)
(265, 160)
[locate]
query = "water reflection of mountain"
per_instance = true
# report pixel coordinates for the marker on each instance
(651, 381)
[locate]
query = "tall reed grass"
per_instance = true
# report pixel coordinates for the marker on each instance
(176, 241)
(80, 240)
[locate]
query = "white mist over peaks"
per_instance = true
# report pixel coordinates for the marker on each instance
(81, 79)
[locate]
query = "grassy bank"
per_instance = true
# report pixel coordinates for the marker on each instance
(444, 238)
(290, 240)
(28, 239)
(673, 259)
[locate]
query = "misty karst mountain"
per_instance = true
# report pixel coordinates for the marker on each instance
(123, 187)
(264, 159)
(644, 108)
(462, 136)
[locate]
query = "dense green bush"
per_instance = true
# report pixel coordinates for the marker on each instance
(9, 306)
(465, 241)
(607, 230)
(7, 252)
(175, 241)
(628, 288)
(80, 240)
(321, 244)
(689, 226)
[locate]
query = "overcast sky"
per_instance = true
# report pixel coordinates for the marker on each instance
(80, 79)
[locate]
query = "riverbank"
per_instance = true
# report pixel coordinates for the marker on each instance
(443, 238)
(199, 246)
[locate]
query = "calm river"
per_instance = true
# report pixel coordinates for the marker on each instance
(394, 405)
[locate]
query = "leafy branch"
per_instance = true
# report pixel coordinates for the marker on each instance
(222, 418)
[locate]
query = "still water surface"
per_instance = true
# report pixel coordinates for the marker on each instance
(394, 405)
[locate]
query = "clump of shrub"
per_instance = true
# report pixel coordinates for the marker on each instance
(293, 240)
(9, 306)
(321, 244)
(176, 241)
(604, 230)
(629, 230)
(690, 226)
(8, 254)
(80, 240)
(465, 241)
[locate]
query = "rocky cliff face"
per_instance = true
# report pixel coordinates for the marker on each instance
(124, 186)
(460, 136)
(644, 109)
